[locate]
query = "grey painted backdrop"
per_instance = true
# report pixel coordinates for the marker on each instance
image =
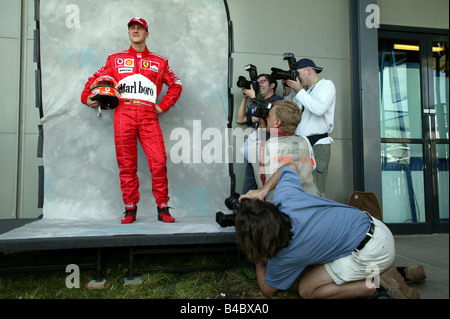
(81, 174)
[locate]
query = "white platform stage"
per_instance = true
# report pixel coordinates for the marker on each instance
(49, 234)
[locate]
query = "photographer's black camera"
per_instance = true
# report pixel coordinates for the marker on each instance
(242, 81)
(279, 74)
(262, 110)
(232, 203)
(291, 74)
(225, 220)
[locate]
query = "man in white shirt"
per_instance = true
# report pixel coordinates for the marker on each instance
(316, 97)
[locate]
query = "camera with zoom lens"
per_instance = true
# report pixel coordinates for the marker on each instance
(232, 203)
(291, 74)
(262, 110)
(242, 81)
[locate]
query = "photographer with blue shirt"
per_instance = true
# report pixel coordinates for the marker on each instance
(334, 247)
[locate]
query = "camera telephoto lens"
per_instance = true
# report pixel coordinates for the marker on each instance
(243, 83)
(232, 202)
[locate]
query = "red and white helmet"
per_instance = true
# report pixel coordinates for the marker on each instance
(106, 90)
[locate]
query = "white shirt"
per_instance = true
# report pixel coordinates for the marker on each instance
(319, 103)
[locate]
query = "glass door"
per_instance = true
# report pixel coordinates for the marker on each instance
(439, 124)
(414, 131)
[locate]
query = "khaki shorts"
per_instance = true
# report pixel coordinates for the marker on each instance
(375, 258)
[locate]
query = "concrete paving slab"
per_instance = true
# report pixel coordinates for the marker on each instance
(431, 251)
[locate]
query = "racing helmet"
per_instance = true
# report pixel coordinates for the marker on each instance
(106, 90)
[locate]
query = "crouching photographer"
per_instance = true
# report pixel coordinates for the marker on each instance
(322, 247)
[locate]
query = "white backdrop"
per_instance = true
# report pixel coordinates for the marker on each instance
(81, 174)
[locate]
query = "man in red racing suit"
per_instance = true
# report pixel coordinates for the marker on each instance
(141, 75)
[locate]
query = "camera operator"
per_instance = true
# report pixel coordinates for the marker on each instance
(317, 99)
(322, 247)
(282, 146)
(266, 93)
(267, 89)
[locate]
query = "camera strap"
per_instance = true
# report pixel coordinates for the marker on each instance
(262, 150)
(312, 88)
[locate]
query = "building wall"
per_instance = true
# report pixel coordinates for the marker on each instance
(415, 13)
(19, 118)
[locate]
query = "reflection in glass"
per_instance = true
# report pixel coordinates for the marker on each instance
(442, 177)
(402, 179)
(400, 115)
(441, 98)
(441, 85)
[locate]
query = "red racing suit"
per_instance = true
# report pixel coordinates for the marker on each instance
(141, 76)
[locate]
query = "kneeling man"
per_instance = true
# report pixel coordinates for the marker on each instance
(333, 246)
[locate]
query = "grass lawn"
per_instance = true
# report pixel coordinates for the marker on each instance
(236, 282)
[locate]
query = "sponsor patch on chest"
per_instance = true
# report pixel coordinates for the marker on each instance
(138, 87)
(150, 65)
(124, 63)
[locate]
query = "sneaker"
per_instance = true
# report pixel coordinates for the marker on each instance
(164, 215)
(413, 274)
(130, 215)
(396, 285)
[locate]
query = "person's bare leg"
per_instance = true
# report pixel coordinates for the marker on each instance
(318, 284)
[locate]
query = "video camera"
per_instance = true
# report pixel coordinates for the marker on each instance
(232, 203)
(242, 81)
(292, 74)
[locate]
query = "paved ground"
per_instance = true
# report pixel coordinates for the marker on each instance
(431, 251)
